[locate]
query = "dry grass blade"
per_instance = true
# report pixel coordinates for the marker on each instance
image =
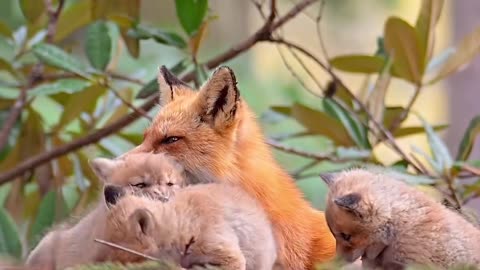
(113, 245)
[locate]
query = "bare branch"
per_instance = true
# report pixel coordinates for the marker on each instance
(53, 15)
(97, 135)
(110, 244)
(139, 111)
(291, 150)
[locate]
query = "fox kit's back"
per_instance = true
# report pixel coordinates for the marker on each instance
(390, 224)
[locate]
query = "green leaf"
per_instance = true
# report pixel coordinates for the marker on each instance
(160, 36)
(402, 45)
(468, 48)
(4, 65)
(439, 150)
(354, 128)
(5, 30)
(9, 238)
(71, 19)
(98, 46)
(358, 63)
(317, 122)
(468, 139)
(32, 9)
(407, 131)
(68, 86)
(57, 57)
(77, 103)
(201, 74)
(425, 26)
(152, 86)
(191, 14)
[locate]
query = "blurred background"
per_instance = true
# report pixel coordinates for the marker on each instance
(61, 108)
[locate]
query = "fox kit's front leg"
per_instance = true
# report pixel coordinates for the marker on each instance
(223, 254)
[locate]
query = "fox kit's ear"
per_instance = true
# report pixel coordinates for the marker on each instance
(112, 193)
(328, 178)
(350, 203)
(142, 222)
(103, 167)
(170, 86)
(219, 98)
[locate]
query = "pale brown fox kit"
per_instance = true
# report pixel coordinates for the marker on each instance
(69, 245)
(390, 224)
(157, 175)
(216, 224)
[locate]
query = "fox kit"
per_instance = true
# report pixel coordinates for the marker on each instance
(214, 135)
(390, 224)
(154, 174)
(216, 224)
(69, 245)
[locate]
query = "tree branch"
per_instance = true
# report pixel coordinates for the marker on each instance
(291, 150)
(96, 136)
(53, 15)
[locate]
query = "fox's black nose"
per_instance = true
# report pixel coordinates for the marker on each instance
(112, 194)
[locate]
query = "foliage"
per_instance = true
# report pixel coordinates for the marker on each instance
(58, 109)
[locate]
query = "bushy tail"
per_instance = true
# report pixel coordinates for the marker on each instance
(323, 242)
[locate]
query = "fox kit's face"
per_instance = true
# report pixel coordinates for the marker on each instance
(134, 222)
(196, 127)
(357, 227)
(155, 175)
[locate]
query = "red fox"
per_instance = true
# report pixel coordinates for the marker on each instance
(216, 224)
(214, 135)
(392, 225)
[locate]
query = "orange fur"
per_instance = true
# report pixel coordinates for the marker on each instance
(214, 135)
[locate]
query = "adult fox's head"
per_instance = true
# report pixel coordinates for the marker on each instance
(199, 128)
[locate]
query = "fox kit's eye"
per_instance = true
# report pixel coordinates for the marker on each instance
(346, 237)
(140, 185)
(171, 139)
(169, 184)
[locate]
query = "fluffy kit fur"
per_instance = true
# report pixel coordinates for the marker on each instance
(216, 224)
(69, 245)
(391, 224)
(157, 175)
(214, 135)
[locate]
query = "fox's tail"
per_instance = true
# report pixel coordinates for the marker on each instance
(323, 242)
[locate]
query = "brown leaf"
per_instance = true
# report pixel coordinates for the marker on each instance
(427, 20)
(402, 44)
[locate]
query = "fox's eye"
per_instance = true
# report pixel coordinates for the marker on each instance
(171, 139)
(346, 237)
(169, 184)
(140, 185)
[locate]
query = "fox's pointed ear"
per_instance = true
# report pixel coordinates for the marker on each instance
(170, 86)
(328, 178)
(219, 98)
(103, 167)
(350, 203)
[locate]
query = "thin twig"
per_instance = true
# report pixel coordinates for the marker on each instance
(318, 19)
(453, 192)
(110, 244)
(390, 139)
(15, 112)
(305, 167)
(140, 111)
(404, 114)
(291, 150)
(294, 74)
(53, 15)
(97, 135)
(474, 171)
